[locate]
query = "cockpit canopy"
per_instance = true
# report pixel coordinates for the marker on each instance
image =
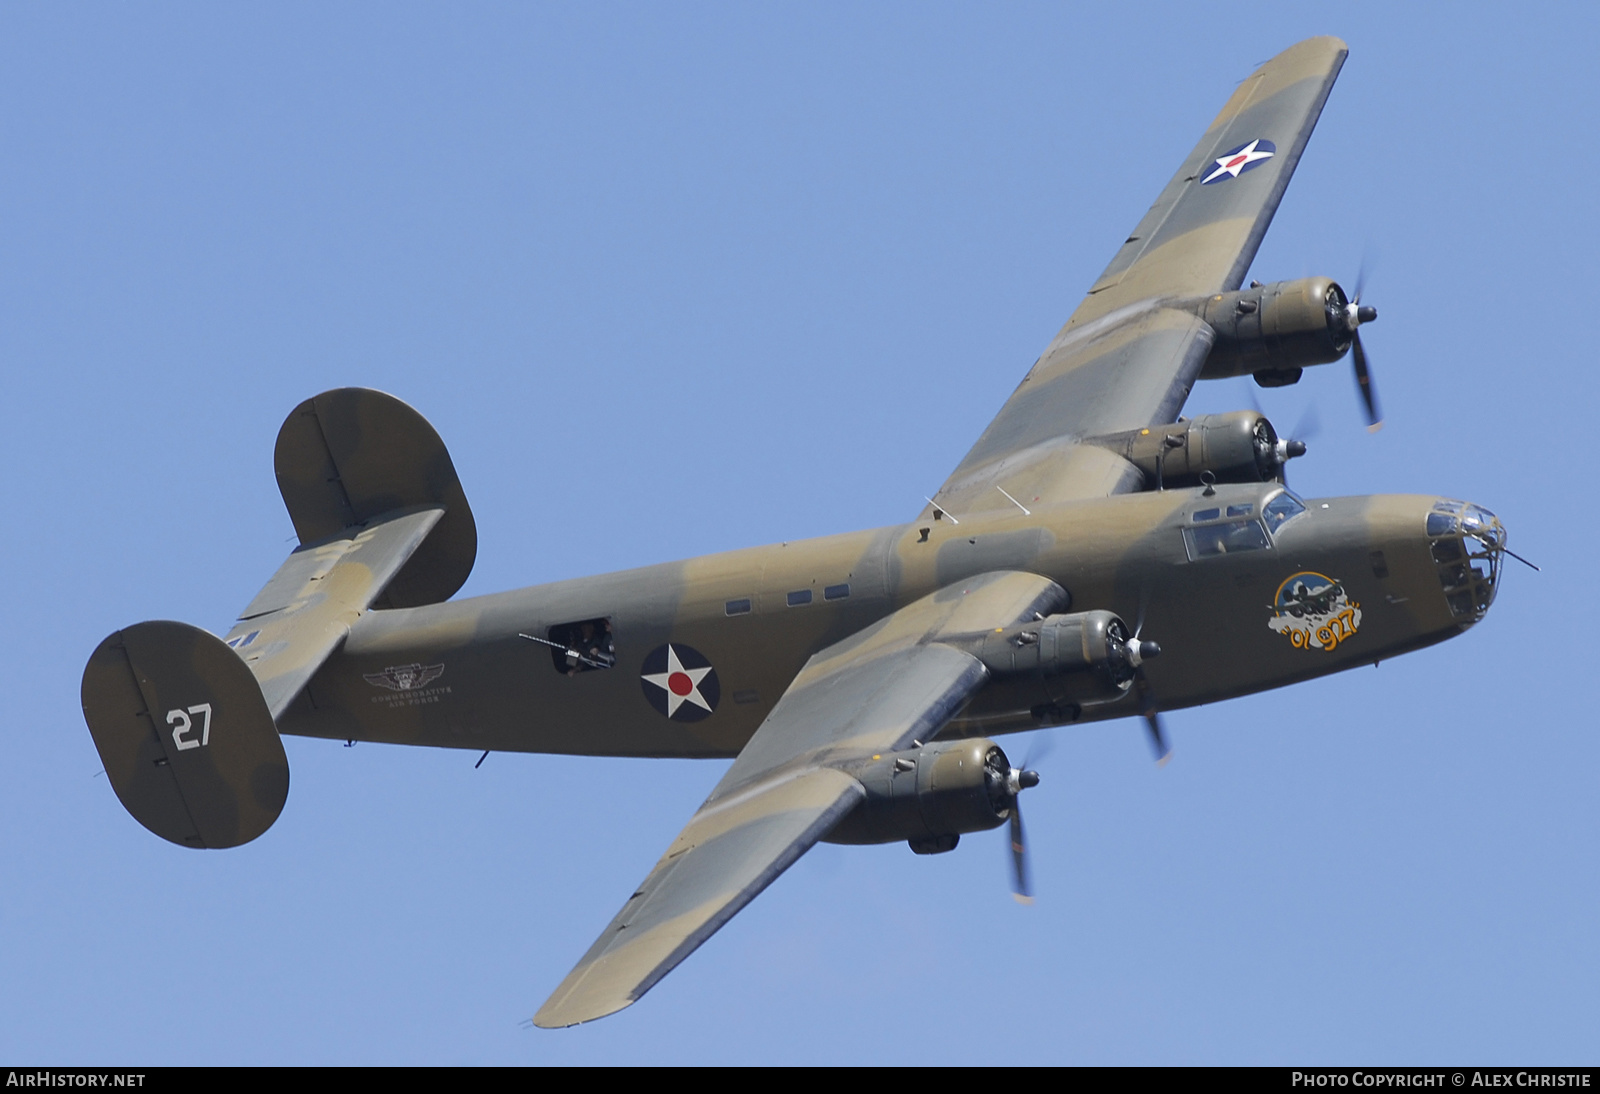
(1228, 529)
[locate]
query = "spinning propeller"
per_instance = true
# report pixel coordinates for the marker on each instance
(1305, 429)
(1138, 653)
(1134, 653)
(1018, 780)
(1353, 315)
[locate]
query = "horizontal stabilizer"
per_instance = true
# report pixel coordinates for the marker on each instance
(349, 455)
(302, 616)
(185, 735)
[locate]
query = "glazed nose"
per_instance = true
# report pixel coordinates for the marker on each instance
(1467, 543)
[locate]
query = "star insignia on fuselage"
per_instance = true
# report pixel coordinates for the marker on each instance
(679, 682)
(1247, 156)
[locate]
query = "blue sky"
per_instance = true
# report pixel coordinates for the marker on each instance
(770, 269)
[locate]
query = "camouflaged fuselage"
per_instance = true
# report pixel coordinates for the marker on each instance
(476, 683)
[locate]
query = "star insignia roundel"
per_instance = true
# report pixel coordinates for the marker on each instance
(1247, 157)
(680, 683)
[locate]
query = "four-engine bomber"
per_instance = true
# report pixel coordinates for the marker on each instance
(856, 680)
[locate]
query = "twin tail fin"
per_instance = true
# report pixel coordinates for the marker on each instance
(185, 722)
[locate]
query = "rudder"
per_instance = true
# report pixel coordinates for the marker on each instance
(185, 735)
(351, 454)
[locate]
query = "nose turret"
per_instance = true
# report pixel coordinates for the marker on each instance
(1467, 543)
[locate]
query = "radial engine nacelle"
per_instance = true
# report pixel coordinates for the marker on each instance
(1275, 331)
(1240, 446)
(933, 794)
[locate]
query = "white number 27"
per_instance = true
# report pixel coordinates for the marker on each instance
(180, 723)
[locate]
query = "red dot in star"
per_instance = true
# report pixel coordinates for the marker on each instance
(1237, 160)
(680, 684)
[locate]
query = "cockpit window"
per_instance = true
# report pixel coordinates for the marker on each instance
(1224, 539)
(1241, 510)
(1280, 509)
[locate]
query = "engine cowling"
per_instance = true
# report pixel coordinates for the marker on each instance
(1241, 446)
(1046, 671)
(930, 796)
(1275, 331)
(1085, 655)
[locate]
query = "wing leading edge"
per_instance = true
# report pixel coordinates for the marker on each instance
(874, 692)
(1134, 347)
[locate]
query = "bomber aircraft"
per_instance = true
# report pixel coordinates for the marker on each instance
(857, 680)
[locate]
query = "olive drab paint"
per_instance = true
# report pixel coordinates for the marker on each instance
(1093, 556)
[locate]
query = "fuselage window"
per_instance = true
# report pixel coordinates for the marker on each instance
(1207, 514)
(1280, 509)
(799, 597)
(583, 646)
(1240, 510)
(836, 592)
(1225, 539)
(737, 607)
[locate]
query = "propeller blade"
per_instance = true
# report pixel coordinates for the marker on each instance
(1369, 394)
(1309, 425)
(1021, 881)
(1152, 720)
(1250, 390)
(1144, 605)
(1141, 652)
(1040, 747)
(1158, 739)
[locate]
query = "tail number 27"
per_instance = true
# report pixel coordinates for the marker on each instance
(180, 722)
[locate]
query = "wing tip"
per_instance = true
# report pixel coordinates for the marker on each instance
(1323, 52)
(563, 1014)
(1330, 43)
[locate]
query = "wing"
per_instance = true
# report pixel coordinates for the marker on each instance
(873, 692)
(1133, 349)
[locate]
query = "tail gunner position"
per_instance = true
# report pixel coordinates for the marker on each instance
(1094, 556)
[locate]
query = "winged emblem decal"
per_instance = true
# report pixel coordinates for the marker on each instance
(405, 677)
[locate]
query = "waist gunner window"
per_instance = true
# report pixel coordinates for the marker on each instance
(583, 646)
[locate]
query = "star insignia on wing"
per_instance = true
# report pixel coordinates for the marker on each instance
(1243, 158)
